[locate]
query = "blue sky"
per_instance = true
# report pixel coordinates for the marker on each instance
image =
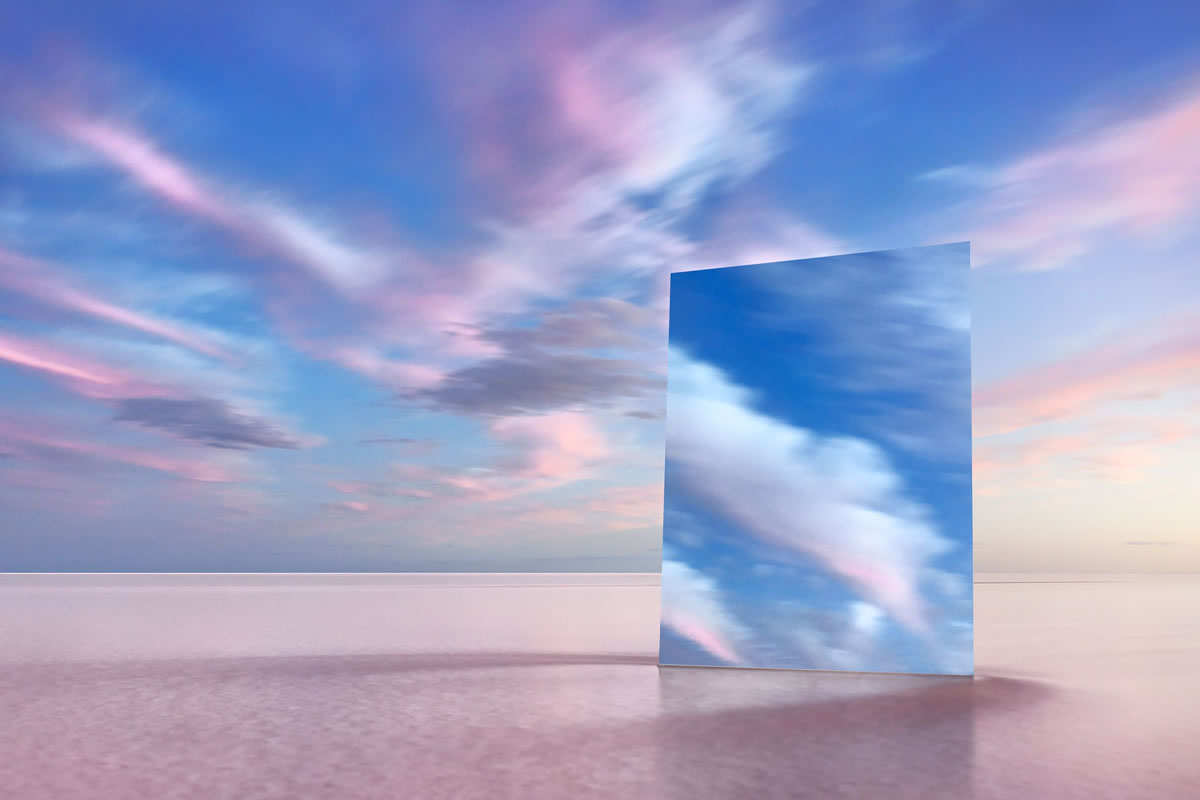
(818, 463)
(384, 287)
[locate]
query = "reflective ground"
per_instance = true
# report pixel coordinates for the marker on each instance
(546, 687)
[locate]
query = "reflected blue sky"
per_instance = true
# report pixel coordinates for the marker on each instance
(775, 570)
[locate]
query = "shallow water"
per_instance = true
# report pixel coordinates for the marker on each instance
(546, 687)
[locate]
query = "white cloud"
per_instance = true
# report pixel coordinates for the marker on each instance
(691, 105)
(658, 113)
(867, 618)
(960, 174)
(835, 500)
(1133, 179)
(692, 607)
(948, 584)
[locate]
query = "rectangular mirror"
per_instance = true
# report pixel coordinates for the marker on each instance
(818, 465)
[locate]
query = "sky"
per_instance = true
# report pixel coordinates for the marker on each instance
(818, 464)
(385, 287)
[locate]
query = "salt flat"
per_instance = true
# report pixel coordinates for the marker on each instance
(545, 686)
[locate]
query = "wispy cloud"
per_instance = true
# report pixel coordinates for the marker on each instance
(749, 231)
(44, 283)
(36, 444)
(151, 387)
(693, 608)
(257, 220)
(87, 376)
(532, 454)
(601, 323)
(351, 506)
(642, 504)
(407, 444)
(1142, 362)
(665, 105)
(753, 231)
(622, 129)
(961, 175)
(1109, 449)
(692, 106)
(1138, 178)
(898, 323)
(492, 238)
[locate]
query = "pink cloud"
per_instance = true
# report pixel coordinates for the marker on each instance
(1114, 450)
(668, 104)
(708, 639)
(1135, 177)
(406, 472)
(607, 112)
(260, 223)
(416, 308)
(591, 108)
(437, 308)
(541, 453)
(141, 159)
(314, 247)
(1110, 371)
(643, 504)
(85, 376)
(990, 460)
(42, 486)
(401, 375)
(558, 447)
(1125, 464)
(479, 487)
(693, 607)
(444, 485)
(31, 442)
(42, 281)
(178, 400)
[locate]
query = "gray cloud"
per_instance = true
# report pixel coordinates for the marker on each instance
(406, 444)
(589, 324)
(210, 422)
(553, 364)
(536, 382)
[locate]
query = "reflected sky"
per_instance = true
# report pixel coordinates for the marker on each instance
(818, 465)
